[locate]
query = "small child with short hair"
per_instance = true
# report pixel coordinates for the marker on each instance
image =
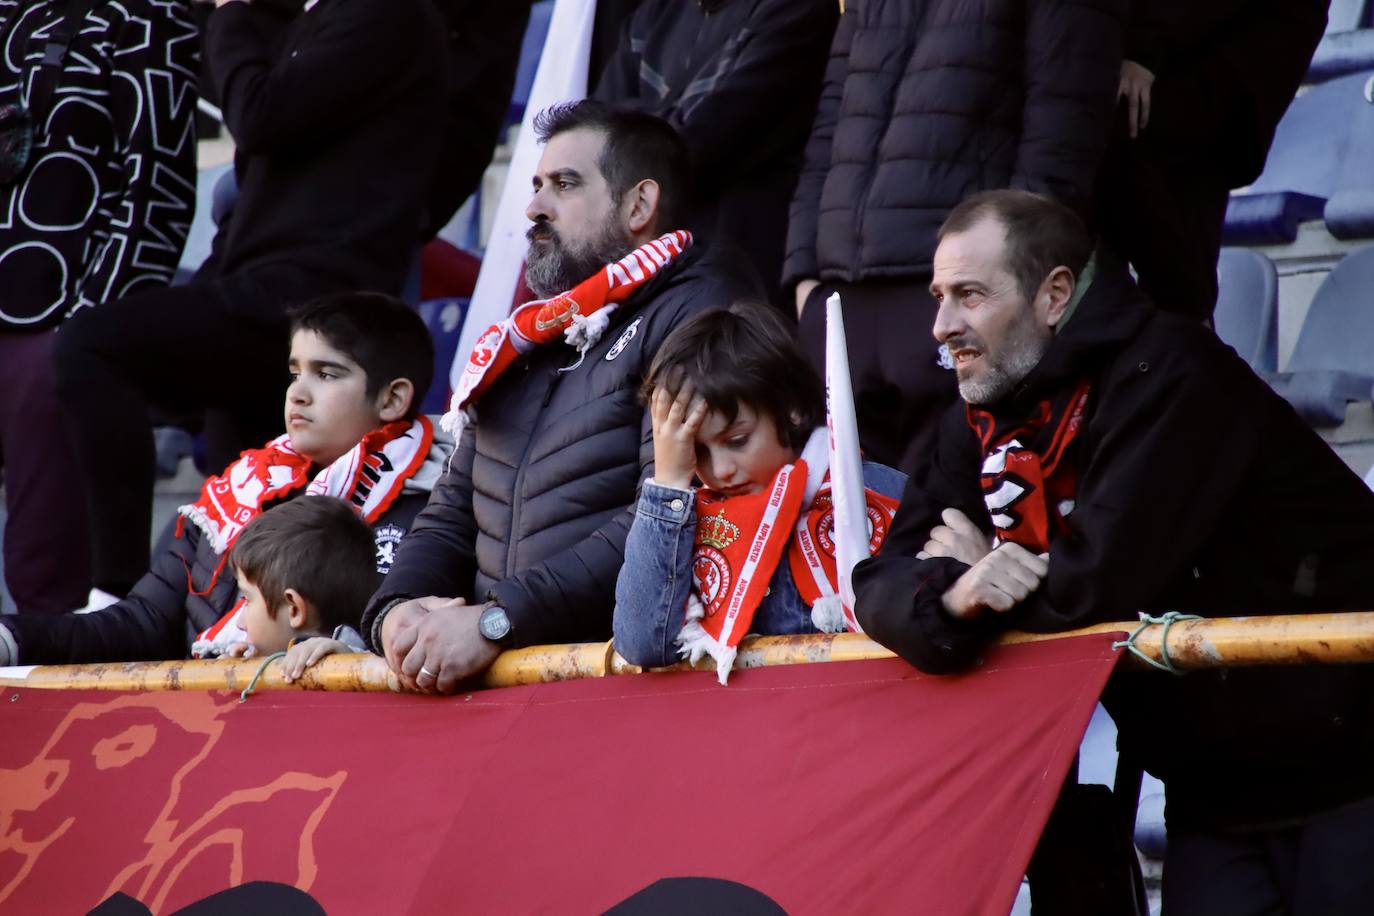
(306, 571)
(734, 532)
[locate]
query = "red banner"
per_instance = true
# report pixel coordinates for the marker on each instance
(843, 787)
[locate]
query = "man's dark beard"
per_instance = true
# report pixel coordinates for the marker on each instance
(552, 266)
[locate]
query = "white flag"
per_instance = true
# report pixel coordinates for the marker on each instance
(846, 463)
(561, 77)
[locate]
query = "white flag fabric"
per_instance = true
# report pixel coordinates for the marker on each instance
(846, 463)
(560, 77)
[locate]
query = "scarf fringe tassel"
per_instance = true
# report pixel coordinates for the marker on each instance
(694, 642)
(827, 615)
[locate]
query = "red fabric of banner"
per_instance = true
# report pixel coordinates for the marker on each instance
(842, 787)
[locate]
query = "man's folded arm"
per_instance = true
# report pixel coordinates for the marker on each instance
(898, 596)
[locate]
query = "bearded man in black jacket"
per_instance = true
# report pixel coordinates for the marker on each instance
(523, 538)
(1110, 459)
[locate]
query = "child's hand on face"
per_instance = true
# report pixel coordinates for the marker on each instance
(240, 650)
(309, 651)
(676, 421)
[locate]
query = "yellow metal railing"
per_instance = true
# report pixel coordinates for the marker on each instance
(1206, 643)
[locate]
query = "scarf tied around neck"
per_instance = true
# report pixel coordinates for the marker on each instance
(580, 316)
(1027, 479)
(368, 477)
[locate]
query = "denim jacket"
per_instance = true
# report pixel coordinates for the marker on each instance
(651, 591)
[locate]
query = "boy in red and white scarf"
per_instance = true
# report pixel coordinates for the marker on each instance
(359, 363)
(736, 407)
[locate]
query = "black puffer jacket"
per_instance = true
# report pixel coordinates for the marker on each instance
(539, 499)
(1199, 490)
(928, 101)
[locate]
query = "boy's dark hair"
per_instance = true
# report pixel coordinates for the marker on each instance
(381, 334)
(745, 353)
(316, 545)
(1042, 234)
(638, 146)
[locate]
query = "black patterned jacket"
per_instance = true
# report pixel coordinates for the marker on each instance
(105, 203)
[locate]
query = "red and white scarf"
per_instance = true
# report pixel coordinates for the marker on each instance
(1028, 481)
(368, 477)
(579, 315)
(741, 539)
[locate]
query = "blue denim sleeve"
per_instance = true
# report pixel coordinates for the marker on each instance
(652, 588)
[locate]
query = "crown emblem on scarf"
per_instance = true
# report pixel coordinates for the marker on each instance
(557, 313)
(718, 532)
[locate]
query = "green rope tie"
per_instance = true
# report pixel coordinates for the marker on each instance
(1168, 619)
(248, 691)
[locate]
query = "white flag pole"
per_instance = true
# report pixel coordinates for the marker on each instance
(561, 77)
(846, 462)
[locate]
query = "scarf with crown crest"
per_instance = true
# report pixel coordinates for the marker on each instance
(1028, 483)
(579, 315)
(741, 539)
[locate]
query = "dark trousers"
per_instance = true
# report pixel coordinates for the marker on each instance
(1161, 198)
(47, 558)
(1321, 867)
(215, 343)
(1167, 223)
(900, 389)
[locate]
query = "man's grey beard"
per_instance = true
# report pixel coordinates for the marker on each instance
(1000, 378)
(553, 267)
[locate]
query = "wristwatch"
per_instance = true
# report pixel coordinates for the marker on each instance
(494, 625)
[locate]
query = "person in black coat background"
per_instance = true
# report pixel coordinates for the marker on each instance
(739, 79)
(925, 102)
(337, 115)
(1202, 88)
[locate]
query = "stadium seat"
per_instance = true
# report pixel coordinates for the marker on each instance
(1340, 53)
(1346, 16)
(1246, 315)
(1305, 164)
(1349, 214)
(541, 13)
(210, 186)
(444, 318)
(1332, 364)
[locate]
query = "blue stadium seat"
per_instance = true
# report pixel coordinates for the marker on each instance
(1340, 53)
(1348, 44)
(1349, 214)
(209, 187)
(530, 50)
(1332, 364)
(1305, 164)
(444, 318)
(1246, 315)
(1346, 16)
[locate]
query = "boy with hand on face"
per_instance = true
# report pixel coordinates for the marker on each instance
(733, 534)
(359, 364)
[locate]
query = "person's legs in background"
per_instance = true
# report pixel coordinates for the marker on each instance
(47, 552)
(186, 347)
